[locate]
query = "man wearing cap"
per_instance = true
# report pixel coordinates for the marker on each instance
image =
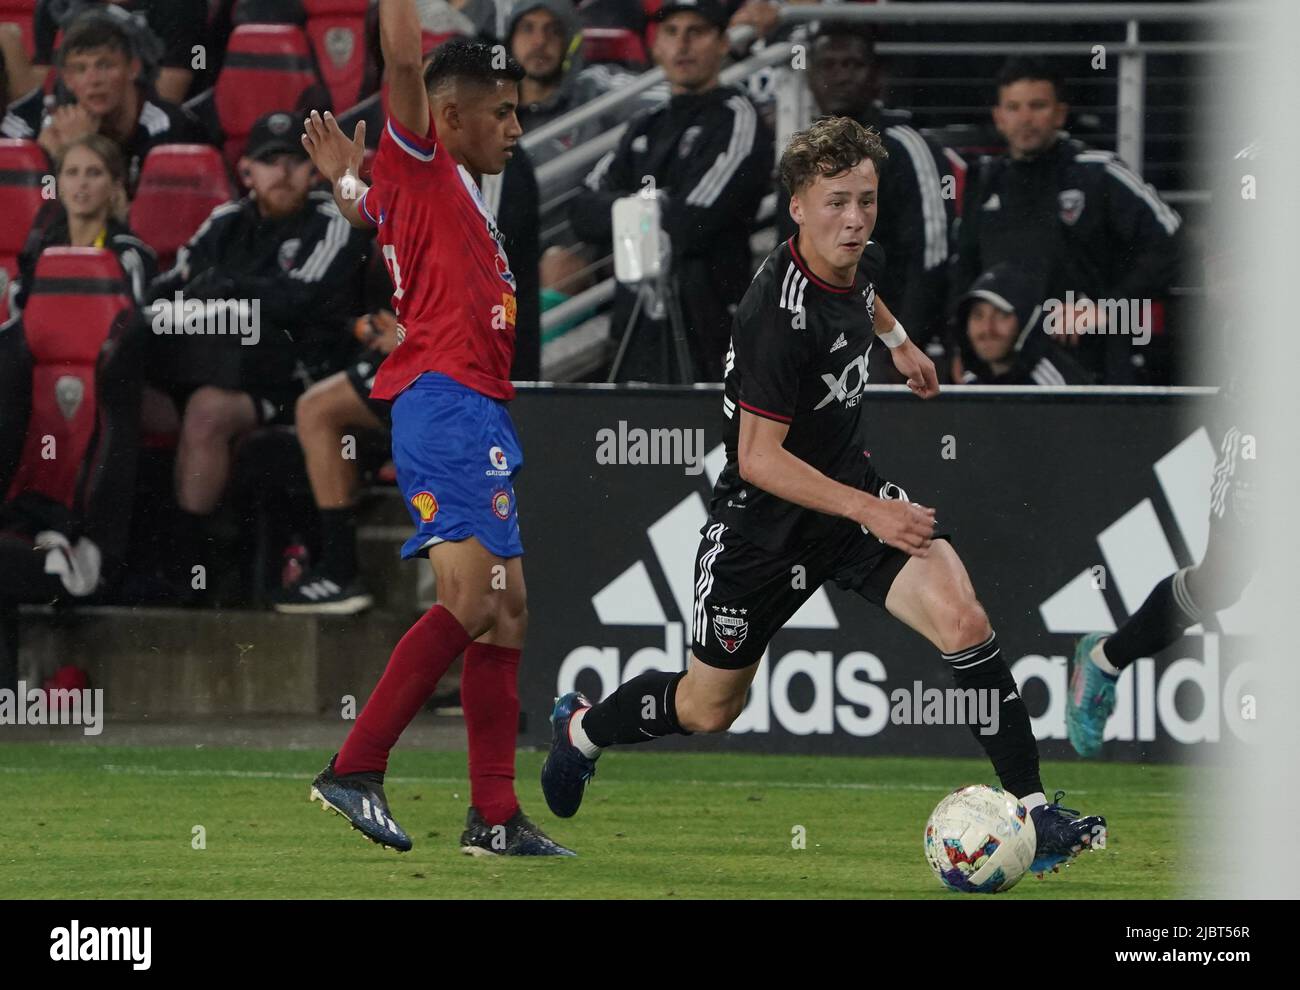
(710, 158)
(1001, 335)
(287, 265)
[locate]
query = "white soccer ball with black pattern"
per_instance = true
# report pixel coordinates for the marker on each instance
(980, 840)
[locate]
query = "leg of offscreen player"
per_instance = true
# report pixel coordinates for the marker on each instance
(1177, 603)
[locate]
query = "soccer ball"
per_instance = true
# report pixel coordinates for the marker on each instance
(980, 840)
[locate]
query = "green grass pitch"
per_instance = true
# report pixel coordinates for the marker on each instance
(102, 822)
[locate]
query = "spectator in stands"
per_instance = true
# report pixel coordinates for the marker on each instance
(103, 73)
(179, 26)
(330, 410)
(90, 212)
(545, 38)
(1090, 227)
(917, 191)
(286, 250)
(1000, 319)
(711, 159)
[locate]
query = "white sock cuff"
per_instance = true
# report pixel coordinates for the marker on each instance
(579, 737)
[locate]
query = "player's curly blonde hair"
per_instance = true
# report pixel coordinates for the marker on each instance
(829, 147)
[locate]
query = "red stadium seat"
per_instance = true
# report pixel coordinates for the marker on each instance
(23, 169)
(336, 29)
(79, 299)
(613, 45)
(22, 13)
(268, 67)
(180, 184)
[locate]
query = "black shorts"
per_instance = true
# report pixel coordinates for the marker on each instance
(744, 594)
(361, 373)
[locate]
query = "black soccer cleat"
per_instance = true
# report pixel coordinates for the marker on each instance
(1062, 835)
(566, 771)
(359, 797)
(517, 837)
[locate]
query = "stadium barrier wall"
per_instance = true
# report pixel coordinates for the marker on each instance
(1066, 507)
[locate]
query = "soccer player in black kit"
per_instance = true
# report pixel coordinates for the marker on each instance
(797, 491)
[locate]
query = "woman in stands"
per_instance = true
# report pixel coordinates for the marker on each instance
(91, 183)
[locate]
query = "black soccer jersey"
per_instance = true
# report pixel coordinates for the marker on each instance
(798, 355)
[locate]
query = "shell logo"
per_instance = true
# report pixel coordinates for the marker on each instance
(426, 505)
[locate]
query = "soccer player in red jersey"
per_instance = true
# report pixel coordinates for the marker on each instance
(453, 443)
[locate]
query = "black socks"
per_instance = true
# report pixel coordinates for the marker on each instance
(1012, 748)
(1161, 619)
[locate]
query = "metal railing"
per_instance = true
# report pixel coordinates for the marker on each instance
(559, 180)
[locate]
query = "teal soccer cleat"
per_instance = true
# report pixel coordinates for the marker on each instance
(1090, 701)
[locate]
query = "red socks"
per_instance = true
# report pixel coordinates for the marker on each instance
(489, 693)
(417, 664)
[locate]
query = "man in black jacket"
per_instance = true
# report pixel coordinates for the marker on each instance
(709, 157)
(917, 189)
(1090, 227)
(258, 307)
(1000, 324)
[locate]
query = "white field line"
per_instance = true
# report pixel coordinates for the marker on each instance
(145, 771)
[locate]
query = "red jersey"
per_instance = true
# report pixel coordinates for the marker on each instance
(454, 293)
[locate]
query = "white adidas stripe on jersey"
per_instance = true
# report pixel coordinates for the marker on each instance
(1164, 213)
(934, 214)
(743, 127)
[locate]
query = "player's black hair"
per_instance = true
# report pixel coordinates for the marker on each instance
(472, 61)
(91, 31)
(864, 32)
(1020, 67)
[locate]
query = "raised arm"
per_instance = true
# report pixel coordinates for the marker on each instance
(399, 39)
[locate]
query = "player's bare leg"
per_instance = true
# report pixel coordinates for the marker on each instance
(933, 595)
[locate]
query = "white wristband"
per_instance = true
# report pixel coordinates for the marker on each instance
(894, 338)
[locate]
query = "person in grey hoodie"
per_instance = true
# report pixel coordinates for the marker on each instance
(545, 37)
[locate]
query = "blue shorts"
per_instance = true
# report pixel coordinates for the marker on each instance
(456, 455)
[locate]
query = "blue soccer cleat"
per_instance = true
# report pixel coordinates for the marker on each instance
(1089, 701)
(359, 797)
(566, 771)
(517, 837)
(1062, 835)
